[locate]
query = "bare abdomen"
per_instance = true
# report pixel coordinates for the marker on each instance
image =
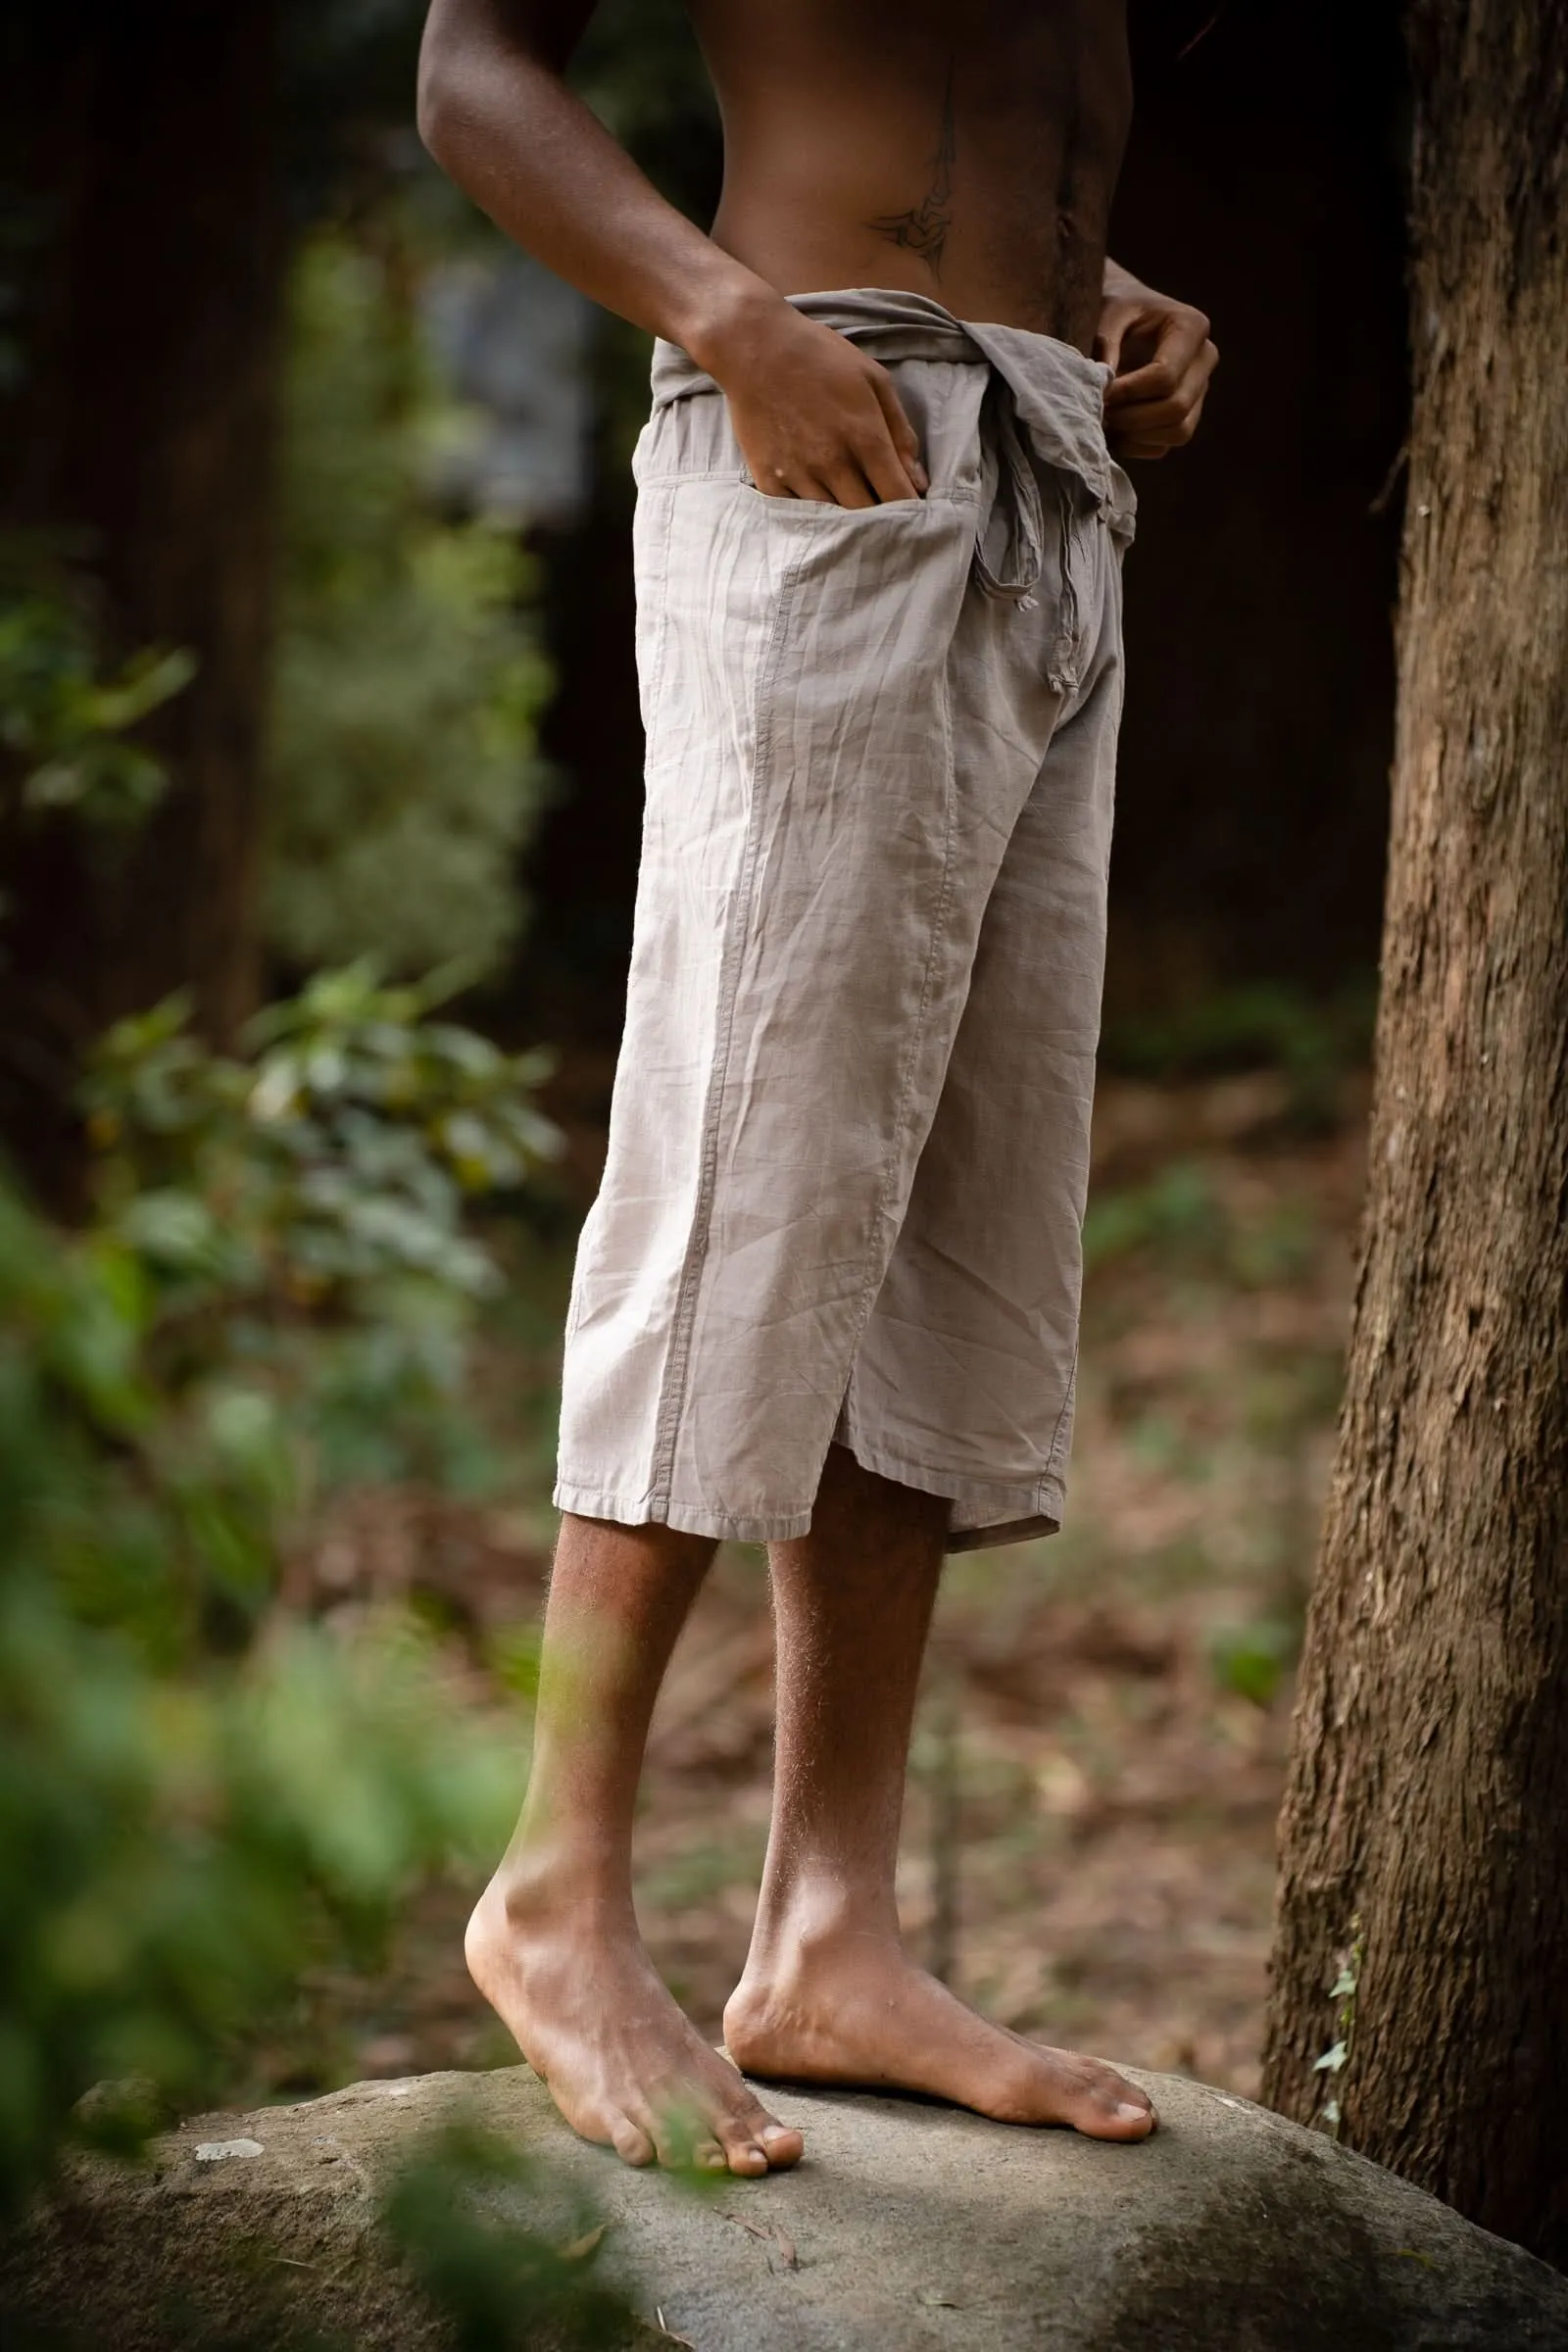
(981, 177)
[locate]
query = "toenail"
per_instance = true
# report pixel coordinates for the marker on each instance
(772, 2132)
(1131, 2111)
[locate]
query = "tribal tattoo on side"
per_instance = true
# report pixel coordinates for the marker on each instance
(924, 230)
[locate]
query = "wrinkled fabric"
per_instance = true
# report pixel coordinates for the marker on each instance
(850, 1133)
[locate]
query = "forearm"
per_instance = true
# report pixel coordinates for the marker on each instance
(499, 119)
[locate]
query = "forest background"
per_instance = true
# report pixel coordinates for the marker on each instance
(319, 756)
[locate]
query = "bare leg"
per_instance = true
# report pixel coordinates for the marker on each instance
(553, 1945)
(828, 1995)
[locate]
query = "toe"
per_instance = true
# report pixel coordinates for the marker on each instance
(1105, 2104)
(709, 2157)
(782, 2145)
(631, 2144)
(755, 2142)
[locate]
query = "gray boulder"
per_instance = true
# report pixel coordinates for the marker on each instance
(909, 2227)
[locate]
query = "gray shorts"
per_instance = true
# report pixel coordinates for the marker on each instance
(850, 1134)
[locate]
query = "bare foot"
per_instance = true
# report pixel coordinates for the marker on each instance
(851, 2008)
(622, 2064)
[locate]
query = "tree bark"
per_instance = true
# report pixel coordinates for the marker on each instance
(142, 434)
(1425, 1831)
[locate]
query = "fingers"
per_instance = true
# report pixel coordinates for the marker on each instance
(847, 486)
(882, 462)
(891, 476)
(1184, 350)
(832, 430)
(906, 478)
(1152, 427)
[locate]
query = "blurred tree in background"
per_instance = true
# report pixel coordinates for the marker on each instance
(401, 776)
(145, 236)
(236, 472)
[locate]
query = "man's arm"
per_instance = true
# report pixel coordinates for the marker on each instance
(1163, 357)
(814, 417)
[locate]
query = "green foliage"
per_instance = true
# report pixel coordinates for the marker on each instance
(65, 714)
(1252, 1660)
(408, 683)
(180, 1832)
(290, 1228)
(1178, 1216)
(459, 2213)
(1176, 1213)
(199, 1796)
(1268, 1025)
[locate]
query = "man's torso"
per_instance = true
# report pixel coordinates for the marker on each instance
(968, 153)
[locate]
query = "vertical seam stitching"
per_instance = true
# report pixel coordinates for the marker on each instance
(1052, 1467)
(737, 931)
(655, 687)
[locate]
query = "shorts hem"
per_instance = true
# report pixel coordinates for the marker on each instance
(687, 1519)
(1023, 1514)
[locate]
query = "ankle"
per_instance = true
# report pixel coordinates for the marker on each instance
(810, 1920)
(542, 1884)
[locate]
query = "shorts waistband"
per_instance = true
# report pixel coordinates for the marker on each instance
(1058, 393)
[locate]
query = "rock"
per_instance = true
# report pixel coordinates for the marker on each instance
(909, 2227)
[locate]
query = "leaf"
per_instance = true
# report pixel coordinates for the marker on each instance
(1332, 2059)
(585, 2248)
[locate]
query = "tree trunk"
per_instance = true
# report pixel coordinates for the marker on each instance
(1425, 1831)
(143, 434)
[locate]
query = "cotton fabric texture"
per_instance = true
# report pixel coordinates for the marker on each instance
(850, 1134)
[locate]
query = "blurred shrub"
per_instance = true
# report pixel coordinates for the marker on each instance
(196, 1797)
(291, 1226)
(180, 1832)
(408, 682)
(65, 713)
(458, 2214)
(1252, 1660)
(1179, 1217)
(1176, 1214)
(1315, 1042)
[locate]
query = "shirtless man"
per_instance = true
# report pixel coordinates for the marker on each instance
(827, 1298)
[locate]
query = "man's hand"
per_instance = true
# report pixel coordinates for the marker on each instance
(816, 417)
(1163, 359)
